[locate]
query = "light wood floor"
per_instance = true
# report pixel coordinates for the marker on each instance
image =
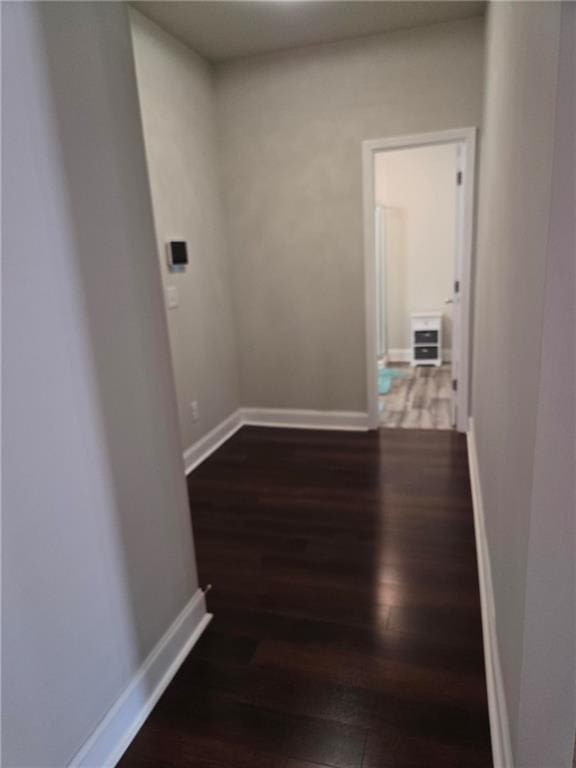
(420, 401)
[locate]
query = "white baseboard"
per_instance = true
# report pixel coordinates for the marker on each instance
(399, 355)
(113, 736)
(499, 725)
(196, 454)
(286, 417)
(271, 417)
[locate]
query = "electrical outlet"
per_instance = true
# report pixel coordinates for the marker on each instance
(194, 410)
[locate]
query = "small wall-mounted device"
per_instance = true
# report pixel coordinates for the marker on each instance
(177, 253)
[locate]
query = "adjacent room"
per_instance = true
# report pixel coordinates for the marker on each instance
(416, 231)
(288, 320)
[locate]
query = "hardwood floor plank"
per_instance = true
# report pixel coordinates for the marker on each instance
(347, 629)
(420, 400)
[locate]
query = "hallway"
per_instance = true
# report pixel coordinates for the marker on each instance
(347, 627)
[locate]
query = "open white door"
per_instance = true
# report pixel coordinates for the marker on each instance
(380, 244)
(455, 299)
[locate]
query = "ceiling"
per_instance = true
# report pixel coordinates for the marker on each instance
(227, 29)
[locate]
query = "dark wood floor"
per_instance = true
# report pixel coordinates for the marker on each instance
(347, 627)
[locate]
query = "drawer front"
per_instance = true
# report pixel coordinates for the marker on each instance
(421, 324)
(426, 337)
(425, 353)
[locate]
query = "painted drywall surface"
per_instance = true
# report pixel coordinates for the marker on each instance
(417, 189)
(177, 103)
(547, 715)
(511, 384)
(291, 128)
(97, 554)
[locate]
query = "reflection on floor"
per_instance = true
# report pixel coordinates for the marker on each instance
(419, 401)
(347, 630)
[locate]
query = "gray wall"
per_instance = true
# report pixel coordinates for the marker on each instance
(523, 404)
(177, 101)
(97, 548)
(547, 716)
(291, 127)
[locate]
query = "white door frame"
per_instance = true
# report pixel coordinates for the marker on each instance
(466, 137)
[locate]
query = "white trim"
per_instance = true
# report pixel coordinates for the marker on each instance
(112, 737)
(466, 137)
(499, 725)
(287, 417)
(399, 355)
(271, 417)
(201, 449)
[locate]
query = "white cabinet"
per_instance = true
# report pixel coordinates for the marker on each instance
(426, 338)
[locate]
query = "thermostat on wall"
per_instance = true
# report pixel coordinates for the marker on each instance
(177, 255)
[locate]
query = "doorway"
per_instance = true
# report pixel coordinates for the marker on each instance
(418, 205)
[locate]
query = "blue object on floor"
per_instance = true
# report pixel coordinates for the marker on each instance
(385, 378)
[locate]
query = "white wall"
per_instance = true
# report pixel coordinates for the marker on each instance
(98, 555)
(291, 127)
(417, 189)
(523, 396)
(177, 102)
